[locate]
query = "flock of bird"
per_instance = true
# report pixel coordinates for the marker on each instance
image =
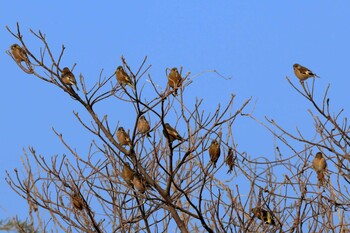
(134, 179)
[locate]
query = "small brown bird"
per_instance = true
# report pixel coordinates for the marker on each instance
(68, 78)
(302, 72)
(174, 79)
(123, 77)
(123, 137)
(139, 183)
(143, 126)
(172, 133)
(19, 53)
(76, 201)
(230, 160)
(319, 164)
(214, 151)
(264, 215)
(128, 174)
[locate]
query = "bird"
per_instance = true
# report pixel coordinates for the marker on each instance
(123, 137)
(139, 183)
(170, 133)
(302, 72)
(128, 174)
(68, 78)
(174, 80)
(230, 160)
(19, 53)
(319, 164)
(214, 151)
(123, 77)
(143, 126)
(264, 215)
(76, 201)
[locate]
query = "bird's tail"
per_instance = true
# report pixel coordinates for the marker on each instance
(131, 85)
(320, 177)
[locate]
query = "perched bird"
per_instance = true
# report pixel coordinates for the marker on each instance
(128, 174)
(139, 183)
(19, 53)
(264, 215)
(76, 201)
(171, 132)
(214, 151)
(68, 78)
(174, 79)
(302, 72)
(123, 77)
(143, 126)
(230, 160)
(123, 137)
(319, 164)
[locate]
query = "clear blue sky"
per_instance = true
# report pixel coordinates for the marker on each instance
(254, 42)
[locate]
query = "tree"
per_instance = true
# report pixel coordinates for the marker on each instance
(130, 182)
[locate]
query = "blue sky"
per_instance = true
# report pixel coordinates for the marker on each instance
(256, 43)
